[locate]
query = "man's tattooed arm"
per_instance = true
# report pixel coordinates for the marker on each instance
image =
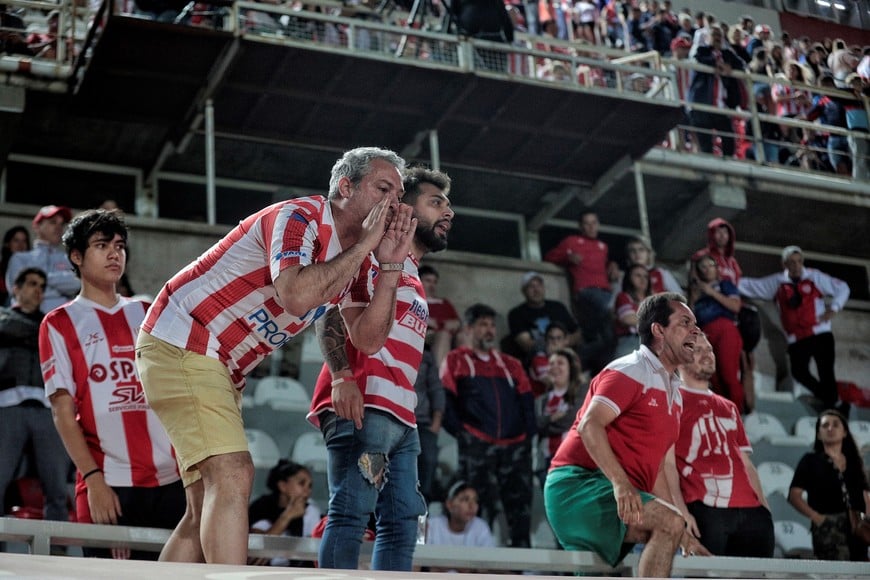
(331, 335)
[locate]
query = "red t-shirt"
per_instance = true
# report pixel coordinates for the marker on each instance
(709, 450)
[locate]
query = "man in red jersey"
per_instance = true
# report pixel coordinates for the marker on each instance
(604, 491)
(127, 473)
(711, 478)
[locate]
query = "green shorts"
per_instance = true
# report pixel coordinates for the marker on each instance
(583, 513)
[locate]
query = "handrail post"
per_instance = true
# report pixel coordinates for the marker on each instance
(757, 137)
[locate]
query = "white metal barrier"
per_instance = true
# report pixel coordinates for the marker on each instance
(40, 535)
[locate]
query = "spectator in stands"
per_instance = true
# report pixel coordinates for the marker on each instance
(834, 481)
(528, 322)
(635, 288)
(364, 398)
(25, 418)
(460, 525)
(863, 68)
(747, 26)
(638, 251)
(600, 490)
(586, 258)
(287, 510)
(16, 239)
(127, 474)
(775, 60)
(12, 41)
(857, 122)
(759, 39)
(49, 255)
(585, 18)
(687, 27)
(717, 89)
(557, 408)
(289, 270)
(638, 41)
(662, 32)
(491, 413)
(613, 18)
(716, 303)
(44, 44)
(486, 20)
(710, 474)
(800, 294)
(429, 414)
(771, 133)
(736, 42)
(816, 62)
(831, 110)
(842, 63)
(444, 321)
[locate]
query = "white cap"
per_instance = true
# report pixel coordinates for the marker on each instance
(789, 250)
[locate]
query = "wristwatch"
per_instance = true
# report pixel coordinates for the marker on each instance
(392, 266)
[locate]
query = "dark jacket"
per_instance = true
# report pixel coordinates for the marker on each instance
(19, 349)
(491, 399)
(702, 84)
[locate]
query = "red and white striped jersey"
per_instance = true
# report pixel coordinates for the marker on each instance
(789, 107)
(88, 350)
(224, 304)
(387, 377)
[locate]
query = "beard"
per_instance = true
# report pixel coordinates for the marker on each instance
(429, 238)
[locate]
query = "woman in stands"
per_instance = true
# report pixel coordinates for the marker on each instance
(635, 287)
(16, 239)
(557, 408)
(286, 509)
(833, 478)
(716, 303)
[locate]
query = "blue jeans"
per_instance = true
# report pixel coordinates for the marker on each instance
(373, 469)
(33, 423)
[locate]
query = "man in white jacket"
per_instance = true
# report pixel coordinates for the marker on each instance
(800, 295)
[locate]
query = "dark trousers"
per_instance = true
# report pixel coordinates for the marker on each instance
(148, 507)
(746, 532)
(500, 471)
(721, 124)
(819, 347)
(427, 461)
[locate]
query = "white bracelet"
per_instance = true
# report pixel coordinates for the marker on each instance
(392, 266)
(337, 382)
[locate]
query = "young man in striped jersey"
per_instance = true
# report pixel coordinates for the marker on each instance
(127, 473)
(364, 400)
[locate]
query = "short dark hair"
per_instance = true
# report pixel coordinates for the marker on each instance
(85, 225)
(426, 269)
(655, 308)
(416, 176)
(23, 274)
(282, 471)
(477, 311)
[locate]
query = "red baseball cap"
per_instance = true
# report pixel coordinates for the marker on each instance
(50, 211)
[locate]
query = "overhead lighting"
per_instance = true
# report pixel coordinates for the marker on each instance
(824, 3)
(839, 6)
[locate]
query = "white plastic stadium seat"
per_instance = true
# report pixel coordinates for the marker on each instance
(805, 429)
(763, 425)
(282, 393)
(264, 450)
(793, 538)
(310, 450)
(775, 477)
(861, 432)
